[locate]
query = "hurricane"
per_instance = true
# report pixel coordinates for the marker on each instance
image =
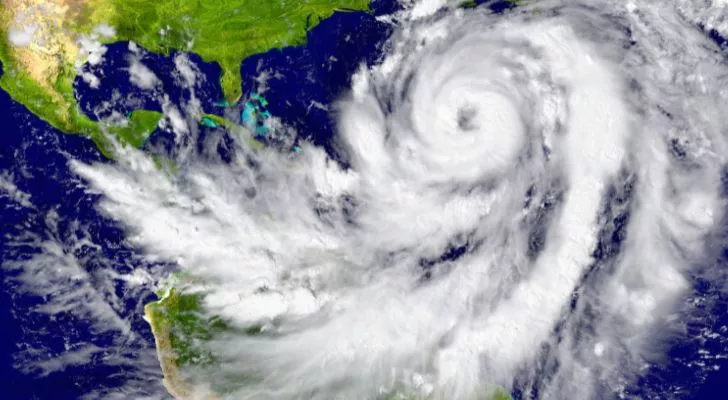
(517, 201)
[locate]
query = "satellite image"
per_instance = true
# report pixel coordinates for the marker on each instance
(363, 200)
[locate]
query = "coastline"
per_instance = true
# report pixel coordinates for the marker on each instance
(173, 380)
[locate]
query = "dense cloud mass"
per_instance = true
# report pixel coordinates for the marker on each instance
(519, 201)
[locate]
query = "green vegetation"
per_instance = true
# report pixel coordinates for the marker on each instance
(40, 75)
(222, 31)
(180, 327)
(500, 394)
(62, 113)
(57, 107)
(214, 121)
(179, 315)
(53, 100)
(137, 128)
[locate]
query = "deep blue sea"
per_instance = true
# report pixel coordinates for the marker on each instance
(36, 157)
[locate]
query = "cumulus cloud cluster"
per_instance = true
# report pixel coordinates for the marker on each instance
(476, 229)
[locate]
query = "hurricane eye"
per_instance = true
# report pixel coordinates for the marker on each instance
(467, 118)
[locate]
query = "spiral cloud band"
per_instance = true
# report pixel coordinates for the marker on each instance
(476, 231)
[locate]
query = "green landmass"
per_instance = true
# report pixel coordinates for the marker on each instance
(52, 99)
(58, 106)
(180, 329)
(40, 74)
(180, 325)
(222, 31)
(185, 324)
(136, 128)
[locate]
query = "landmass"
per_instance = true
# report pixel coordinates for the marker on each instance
(180, 324)
(177, 322)
(44, 43)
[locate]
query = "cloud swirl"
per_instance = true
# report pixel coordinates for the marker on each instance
(532, 185)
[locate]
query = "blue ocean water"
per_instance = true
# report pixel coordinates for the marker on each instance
(35, 157)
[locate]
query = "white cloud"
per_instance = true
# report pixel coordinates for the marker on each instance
(90, 49)
(91, 79)
(186, 69)
(498, 127)
(8, 188)
(141, 76)
(104, 31)
(22, 37)
(175, 117)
